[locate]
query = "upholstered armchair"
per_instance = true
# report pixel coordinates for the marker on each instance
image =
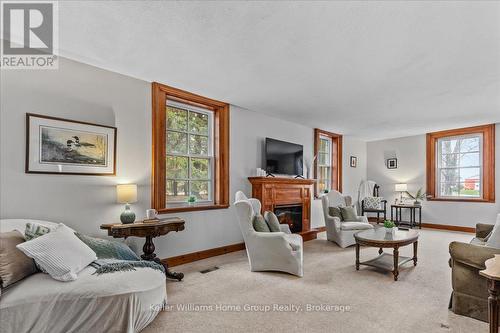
(341, 232)
(470, 290)
(268, 251)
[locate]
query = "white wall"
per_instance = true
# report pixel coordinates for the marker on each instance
(81, 92)
(411, 155)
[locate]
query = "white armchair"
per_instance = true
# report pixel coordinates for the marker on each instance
(268, 251)
(341, 232)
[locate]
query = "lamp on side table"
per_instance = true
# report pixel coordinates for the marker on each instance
(127, 194)
(401, 188)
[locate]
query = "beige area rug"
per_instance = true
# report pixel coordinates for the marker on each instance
(339, 298)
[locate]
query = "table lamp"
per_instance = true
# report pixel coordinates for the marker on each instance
(127, 194)
(401, 188)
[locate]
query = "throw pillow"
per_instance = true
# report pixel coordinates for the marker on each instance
(348, 214)
(14, 264)
(60, 253)
(335, 212)
(372, 202)
(259, 224)
(108, 249)
(494, 237)
(34, 230)
(272, 221)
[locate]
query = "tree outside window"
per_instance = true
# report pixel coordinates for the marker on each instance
(189, 153)
(461, 164)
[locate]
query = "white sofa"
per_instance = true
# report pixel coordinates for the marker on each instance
(341, 232)
(268, 251)
(114, 302)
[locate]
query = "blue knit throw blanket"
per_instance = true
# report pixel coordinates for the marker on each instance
(103, 266)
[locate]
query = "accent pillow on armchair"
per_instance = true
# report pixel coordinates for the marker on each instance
(348, 214)
(335, 212)
(259, 224)
(272, 221)
(372, 203)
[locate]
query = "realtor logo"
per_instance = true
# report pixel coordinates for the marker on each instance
(29, 35)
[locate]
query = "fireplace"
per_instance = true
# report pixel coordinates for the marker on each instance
(291, 215)
(289, 199)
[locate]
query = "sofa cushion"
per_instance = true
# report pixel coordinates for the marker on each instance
(259, 224)
(14, 264)
(494, 237)
(119, 302)
(335, 212)
(348, 213)
(355, 226)
(60, 253)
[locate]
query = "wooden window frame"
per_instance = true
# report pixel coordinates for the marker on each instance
(160, 94)
(336, 155)
(488, 165)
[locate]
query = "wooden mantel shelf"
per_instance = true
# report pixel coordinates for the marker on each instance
(281, 180)
(274, 192)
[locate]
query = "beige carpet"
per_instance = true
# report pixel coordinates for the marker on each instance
(418, 302)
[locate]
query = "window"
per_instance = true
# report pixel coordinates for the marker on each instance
(328, 161)
(324, 157)
(190, 151)
(460, 164)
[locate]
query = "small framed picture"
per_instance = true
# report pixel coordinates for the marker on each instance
(392, 163)
(63, 146)
(354, 161)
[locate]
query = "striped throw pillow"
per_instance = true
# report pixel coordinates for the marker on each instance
(60, 253)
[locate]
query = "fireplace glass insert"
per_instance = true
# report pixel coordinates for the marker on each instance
(291, 215)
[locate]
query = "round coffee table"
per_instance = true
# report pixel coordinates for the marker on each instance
(380, 238)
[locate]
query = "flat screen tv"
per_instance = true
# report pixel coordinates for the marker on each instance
(284, 158)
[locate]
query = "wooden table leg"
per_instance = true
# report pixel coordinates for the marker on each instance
(148, 249)
(171, 275)
(494, 290)
(396, 263)
(415, 245)
(357, 256)
(149, 254)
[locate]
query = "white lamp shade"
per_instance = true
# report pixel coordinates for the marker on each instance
(401, 188)
(126, 193)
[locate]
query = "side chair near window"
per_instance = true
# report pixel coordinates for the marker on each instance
(375, 204)
(268, 251)
(341, 230)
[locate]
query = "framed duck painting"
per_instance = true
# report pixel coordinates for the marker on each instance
(63, 146)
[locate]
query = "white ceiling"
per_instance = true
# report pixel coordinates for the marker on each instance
(371, 69)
